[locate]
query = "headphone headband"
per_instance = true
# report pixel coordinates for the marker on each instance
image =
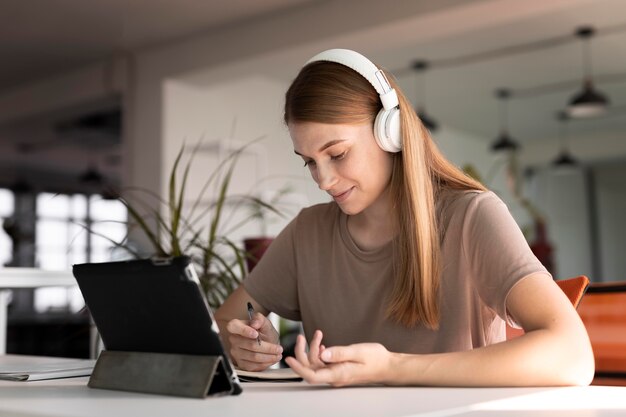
(387, 121)
(366, 68)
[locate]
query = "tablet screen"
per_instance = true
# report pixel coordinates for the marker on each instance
(150, 306)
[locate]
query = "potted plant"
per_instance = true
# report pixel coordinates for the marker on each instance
(174, 228)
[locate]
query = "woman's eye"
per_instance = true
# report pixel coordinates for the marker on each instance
(339, 157)
(311, 163)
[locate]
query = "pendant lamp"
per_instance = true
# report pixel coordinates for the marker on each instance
(431, 124)
(503, 143)
(589, 102)
(21, 186)
(91, 176)
(564, 159)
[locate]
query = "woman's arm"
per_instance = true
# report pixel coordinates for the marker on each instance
(554, 351)
(239, 334)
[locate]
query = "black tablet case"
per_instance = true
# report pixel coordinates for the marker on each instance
(151, 305)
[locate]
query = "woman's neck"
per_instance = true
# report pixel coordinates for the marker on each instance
(375, 226)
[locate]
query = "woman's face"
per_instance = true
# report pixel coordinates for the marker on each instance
(345, 161)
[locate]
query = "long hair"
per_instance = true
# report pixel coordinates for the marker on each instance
(327, 92)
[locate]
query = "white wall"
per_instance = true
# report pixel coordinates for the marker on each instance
(225, 117)
(566, 200)
(610, 191)
(464, 148)
(563, 197)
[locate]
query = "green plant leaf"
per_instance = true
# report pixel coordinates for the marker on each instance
(219, 205)
(176, 226)
(144, 228)
(240, 256)
(174, 207)
(121, 245)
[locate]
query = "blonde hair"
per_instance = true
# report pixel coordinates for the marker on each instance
(327, 92)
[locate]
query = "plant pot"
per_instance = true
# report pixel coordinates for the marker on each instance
(255, 248)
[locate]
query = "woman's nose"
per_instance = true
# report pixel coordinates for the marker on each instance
(326, 178)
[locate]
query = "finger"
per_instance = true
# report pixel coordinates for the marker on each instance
(260, 322)
(265, 328)
(319, 376)
(248, 350)
(322, 349)
(252, 345)
(340, 354)
(256, 357)
(299, 368)
(314, 350)
(238, 327)
(253, 366)
(300, 351)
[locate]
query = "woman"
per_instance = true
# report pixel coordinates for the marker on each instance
(409, 275)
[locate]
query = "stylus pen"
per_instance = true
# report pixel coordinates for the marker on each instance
(250, 314)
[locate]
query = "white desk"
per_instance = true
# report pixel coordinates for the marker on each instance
(11, 278)
(71, 397)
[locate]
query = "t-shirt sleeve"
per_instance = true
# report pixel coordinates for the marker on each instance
(497, 253)
(273, 281)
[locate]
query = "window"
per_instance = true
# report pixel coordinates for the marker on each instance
(61, 235)
(7, 203)
(63, 239)
(108, 221)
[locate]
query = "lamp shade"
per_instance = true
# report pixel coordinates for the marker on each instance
(504, 143)
(587, 103)
(21, 186)
(91, 176)
(564, 160)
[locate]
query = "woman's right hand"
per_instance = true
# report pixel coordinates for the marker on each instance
(246, 351)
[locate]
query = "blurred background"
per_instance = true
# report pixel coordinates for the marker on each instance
(97, 97)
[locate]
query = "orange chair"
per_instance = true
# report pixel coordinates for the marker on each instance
(574, 288)
(603, 311)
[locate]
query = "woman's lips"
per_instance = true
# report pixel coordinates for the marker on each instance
(342, 196)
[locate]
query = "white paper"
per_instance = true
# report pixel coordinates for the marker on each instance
(34, 371)
(283, 374)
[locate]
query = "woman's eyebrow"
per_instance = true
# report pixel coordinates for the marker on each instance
(325, 146)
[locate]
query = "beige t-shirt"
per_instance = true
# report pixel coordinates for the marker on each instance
(314, 272)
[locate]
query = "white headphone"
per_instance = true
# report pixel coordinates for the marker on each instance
(387, 123)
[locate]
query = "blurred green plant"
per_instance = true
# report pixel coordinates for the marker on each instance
(196, 228)
(274, 204)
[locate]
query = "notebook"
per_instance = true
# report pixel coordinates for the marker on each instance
(269, 375)
(26, 369)
(152, 305)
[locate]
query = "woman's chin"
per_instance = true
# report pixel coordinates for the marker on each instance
(349, 209)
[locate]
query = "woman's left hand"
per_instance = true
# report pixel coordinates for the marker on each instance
(362, 363)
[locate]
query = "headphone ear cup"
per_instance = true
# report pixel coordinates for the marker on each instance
(387, 130)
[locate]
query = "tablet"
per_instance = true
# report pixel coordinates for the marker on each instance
(151, 305)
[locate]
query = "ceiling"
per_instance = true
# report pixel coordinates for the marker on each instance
(542, 77)
(37, 43)
(66, 34)
(69, 34)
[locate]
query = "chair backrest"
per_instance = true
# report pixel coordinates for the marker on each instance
(603, 311)
(574, 289)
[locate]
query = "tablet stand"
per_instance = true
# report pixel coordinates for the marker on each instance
(161, 373)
